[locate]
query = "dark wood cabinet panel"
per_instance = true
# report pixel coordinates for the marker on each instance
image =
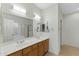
(40, 49)
(35, 50)
(27, 51)
(18, 53)
(46, 45)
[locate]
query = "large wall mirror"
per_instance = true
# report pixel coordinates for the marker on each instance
(16, 28)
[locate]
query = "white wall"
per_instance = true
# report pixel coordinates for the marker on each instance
(1, 37)
(51, 15)
(60, 20)
(0, 5)
(71, 29)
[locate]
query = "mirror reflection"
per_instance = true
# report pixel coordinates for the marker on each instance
(17, 22)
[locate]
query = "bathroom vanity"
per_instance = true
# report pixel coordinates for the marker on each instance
(19, 39)
(32, 46)
(21, 34)
(38, 49)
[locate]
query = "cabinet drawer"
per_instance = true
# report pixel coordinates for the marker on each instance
(27, 51)
(41, 49)
(35, 50)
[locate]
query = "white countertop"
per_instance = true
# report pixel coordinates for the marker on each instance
(12, 46)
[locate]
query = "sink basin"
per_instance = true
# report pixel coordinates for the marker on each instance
(20, 40)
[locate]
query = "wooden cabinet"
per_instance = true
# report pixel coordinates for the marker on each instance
(46, 46)
(38, 49)
(43, 47)
(35, 50)
(31, 51)
(18, 53)
(27, 51)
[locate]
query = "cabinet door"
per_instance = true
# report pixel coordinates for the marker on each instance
(40, 50)
(27, 51)
(35, 50)
(46, 45)
(18, 53)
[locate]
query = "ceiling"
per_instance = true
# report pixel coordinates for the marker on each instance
(43, 5)
(67, 8)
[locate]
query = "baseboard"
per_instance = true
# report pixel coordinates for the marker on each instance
(52, 53)
(70, 45)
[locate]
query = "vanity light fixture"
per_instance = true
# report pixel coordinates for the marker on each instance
(37, 17)
(19, 9)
